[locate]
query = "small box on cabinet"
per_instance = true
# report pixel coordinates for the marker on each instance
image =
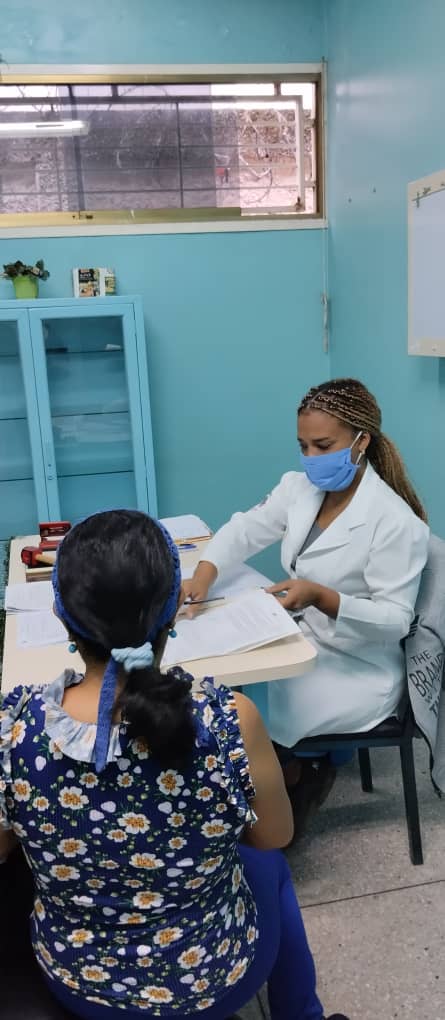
(99, 282)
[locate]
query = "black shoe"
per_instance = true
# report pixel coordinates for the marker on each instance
(326, 776)
(337, 1016)
(307, 796)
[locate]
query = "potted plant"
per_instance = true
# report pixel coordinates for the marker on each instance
(25, 278)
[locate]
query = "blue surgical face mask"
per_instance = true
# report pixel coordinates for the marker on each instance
(332, 472)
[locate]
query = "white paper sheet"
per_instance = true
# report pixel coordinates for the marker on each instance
(240, 579)
(249, 621)
(39, 628)
(187, 573)
(20, 598)
(185, 526)
(237, 580)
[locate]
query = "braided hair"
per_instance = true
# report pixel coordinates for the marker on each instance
(350, 402)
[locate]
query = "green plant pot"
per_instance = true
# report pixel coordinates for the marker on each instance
(26, 286)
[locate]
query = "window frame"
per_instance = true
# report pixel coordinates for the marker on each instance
(200, 220)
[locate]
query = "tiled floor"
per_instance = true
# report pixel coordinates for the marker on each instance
(376, 924)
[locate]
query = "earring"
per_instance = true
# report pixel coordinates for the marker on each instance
(359, 457)
(172, 632)
(72, 647)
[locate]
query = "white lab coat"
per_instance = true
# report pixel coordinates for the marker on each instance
(373, 554)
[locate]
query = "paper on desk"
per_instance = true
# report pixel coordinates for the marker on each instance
(20, 598)
(249, 621)
(235, 581)
(185, 526)
(187, 573)
(39, 628)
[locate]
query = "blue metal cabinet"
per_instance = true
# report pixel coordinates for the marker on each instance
(22, 483)
(74, 410)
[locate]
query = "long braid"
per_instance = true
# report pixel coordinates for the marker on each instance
(353, 404)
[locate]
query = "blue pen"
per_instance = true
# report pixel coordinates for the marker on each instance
(187, 545)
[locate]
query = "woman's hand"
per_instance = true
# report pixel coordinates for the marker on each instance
(300, 594)
(198, 587)
(294, 594)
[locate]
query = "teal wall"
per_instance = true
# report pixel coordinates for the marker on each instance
(161, 31)
(386, 127)
(233, 320)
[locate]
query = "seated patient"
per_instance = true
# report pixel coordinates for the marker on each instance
(149, 815)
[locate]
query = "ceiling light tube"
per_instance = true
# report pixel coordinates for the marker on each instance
(44, 128)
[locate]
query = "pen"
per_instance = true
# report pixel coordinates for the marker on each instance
(202, 602)
(193, 538)
(186, 545)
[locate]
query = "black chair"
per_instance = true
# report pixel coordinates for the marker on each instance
(24, 995)
(393, 732)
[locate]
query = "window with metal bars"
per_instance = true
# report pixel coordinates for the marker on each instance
(138, 151)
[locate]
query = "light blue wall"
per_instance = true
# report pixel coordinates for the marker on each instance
(160, 31)
(233, 321)
(386, 117)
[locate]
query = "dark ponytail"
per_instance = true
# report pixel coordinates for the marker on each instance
(385, 458)
(115, 574)
(158, 709)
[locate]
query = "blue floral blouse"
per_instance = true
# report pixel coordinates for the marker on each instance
(140, 899)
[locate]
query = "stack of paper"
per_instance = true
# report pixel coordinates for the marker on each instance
(36, 624)
(240, 579)
(24, 598)
(186, 526)
(249, 621)
(37, 629)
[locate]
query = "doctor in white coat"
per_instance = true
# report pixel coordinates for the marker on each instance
(353, 544)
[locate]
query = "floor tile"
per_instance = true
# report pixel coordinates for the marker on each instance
(255, 1010)
(381, 957)
(357, 844)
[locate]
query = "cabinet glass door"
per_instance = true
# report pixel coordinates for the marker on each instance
(92, 437)
(22, 486)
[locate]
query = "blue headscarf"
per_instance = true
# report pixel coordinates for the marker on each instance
(130, 658)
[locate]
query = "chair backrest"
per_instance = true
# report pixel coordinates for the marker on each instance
(424, 653)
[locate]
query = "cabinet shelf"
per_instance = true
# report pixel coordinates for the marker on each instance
(58, 413)
(15, 478)
(66, 353)
(80, 472)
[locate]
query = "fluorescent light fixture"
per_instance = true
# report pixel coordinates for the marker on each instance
(43, 129)
(243, 89)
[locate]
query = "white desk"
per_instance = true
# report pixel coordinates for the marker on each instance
(285, 658)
